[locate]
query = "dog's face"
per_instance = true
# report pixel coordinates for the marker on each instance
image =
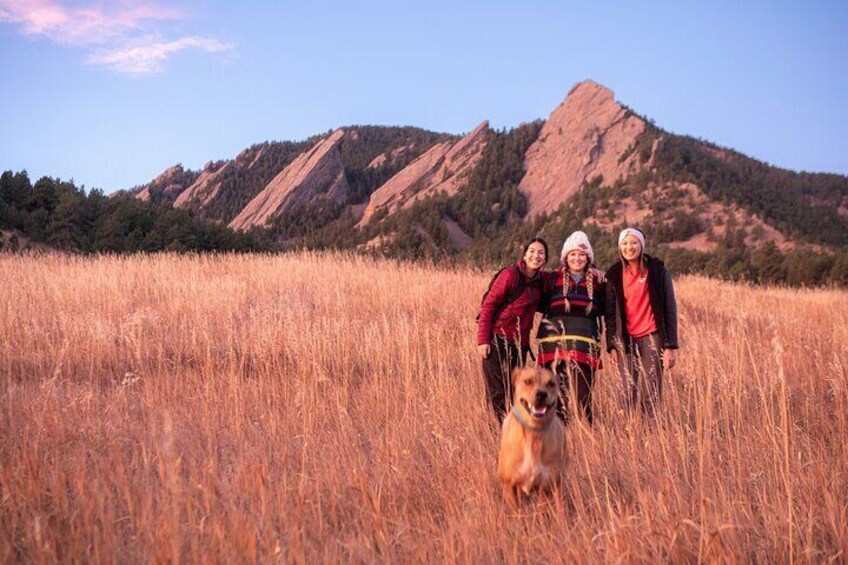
(536, 392)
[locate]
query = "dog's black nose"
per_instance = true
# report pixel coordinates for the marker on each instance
(541, 395)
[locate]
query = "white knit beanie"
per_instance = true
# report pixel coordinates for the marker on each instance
(578, 241)
(635, 232)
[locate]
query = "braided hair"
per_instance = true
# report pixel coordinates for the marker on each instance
(590, 287)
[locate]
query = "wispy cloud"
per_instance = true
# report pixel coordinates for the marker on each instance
(150, 58)
(123, 36)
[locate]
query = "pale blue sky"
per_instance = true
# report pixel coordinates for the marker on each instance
(112, 93)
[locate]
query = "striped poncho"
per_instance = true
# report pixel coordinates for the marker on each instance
(571, 334)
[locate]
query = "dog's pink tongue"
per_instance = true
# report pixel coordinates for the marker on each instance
(539, 411)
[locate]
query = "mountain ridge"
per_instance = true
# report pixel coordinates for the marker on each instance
(592, 161)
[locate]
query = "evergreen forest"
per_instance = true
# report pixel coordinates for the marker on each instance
(489, 211)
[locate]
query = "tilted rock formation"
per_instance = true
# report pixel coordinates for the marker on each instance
(378, 161)
(444, 167)
(144, 194)
(587, 136)
(381, 159)
(390, 194)
(166, 182)
(313, 174)
(208, 184)
(204, 189)
(253, 161)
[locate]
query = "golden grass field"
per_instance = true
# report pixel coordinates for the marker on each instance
(327, 408)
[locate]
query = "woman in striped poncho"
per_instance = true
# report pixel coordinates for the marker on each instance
(569, 335)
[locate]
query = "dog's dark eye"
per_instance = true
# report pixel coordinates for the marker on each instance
(550, 384)
(528, 381)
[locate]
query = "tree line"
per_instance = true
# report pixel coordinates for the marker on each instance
(489, 208)
(492, 210)
(60, 215)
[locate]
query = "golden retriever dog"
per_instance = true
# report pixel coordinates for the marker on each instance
(532, 453)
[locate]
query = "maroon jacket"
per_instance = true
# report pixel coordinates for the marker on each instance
(514, 320)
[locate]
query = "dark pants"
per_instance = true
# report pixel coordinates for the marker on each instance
(497, 373)
(641, 373)
(575, 381)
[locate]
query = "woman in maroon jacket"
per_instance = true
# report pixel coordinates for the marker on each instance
(505, 321)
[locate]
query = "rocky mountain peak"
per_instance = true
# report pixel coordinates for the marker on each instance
(317, 173)
(587, 136)
(204, 188)
(442, 168)
(169, 173)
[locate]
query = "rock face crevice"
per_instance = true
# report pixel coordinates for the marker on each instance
(444, 167)
(317, 173)
(204, 189)
(587, 136)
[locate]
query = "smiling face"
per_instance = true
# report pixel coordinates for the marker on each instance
(535, 256)
(536, 392)
(630, 248)
(576, 261)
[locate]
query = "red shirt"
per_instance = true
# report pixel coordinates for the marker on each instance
(637, 303)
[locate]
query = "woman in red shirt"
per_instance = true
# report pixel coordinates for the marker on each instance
(641, 320)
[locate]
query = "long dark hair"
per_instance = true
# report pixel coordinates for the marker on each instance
(536, 240)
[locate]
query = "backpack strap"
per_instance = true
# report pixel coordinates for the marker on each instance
(519, 288)
(511, 297)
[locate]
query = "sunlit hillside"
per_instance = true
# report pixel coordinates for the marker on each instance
(328, 408)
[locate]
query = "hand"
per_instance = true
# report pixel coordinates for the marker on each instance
(483, 350)
(669, 358)
(614, 356)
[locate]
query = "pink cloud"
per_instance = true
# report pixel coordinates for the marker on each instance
(125, 32)
(35, 17)
(149, 58)
(84, 24)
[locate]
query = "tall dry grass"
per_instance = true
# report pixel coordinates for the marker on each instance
(313, 408)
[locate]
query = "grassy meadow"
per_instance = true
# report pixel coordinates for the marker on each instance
(316, 408)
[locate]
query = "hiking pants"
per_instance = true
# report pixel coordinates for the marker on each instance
(641, 373)
(497, 374)
(575, 381)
